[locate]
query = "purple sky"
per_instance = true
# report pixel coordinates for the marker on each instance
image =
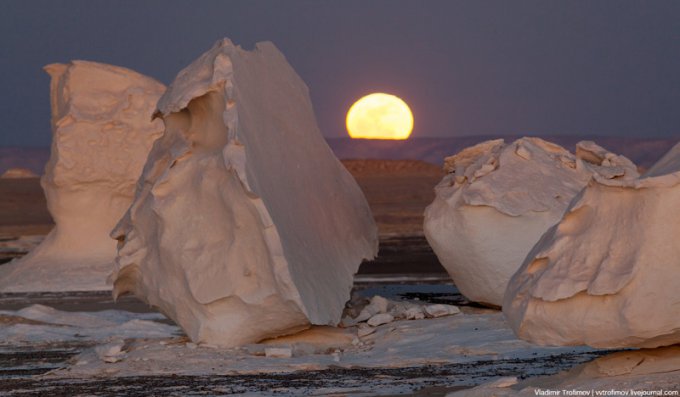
(465, 67)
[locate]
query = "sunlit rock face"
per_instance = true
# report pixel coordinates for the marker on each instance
(497, 200)
(101, 134)
(244, 225)
(607, 274)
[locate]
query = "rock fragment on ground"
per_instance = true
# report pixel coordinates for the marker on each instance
(380, 311)
(111, 352)
(365, 329)
(380, 319)
(440, 310)
(278, 352)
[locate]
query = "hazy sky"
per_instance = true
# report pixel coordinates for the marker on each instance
(465, 67)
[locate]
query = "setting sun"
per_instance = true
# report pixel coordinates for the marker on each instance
(379, 116)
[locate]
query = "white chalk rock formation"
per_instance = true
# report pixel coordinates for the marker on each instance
(244, 226)
(607, 274)
(101, 134)
(498, 199)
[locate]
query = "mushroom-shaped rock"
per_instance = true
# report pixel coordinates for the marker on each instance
(497, 200)
(607, 274)
(101, 134)
(244, 226)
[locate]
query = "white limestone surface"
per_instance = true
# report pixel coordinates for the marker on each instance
(478, 339)
(497, 200)
(101, 134)
(244, 226)
(607, 274)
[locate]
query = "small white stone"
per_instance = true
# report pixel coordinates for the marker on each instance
(379, 304)
(440, 310)
(191, 345)
(414, 313)
(110, 352)
(278, 352)
(506, 381)
(365, 331)
(363, 316)
(380, 319)
(112, 359)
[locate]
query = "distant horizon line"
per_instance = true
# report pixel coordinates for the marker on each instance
(673, 136)
(491, 136)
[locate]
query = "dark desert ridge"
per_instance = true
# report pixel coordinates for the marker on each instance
(397, 177)
(397, 191)
(643, 151)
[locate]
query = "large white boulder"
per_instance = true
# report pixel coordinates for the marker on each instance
(607, 274)
(101, 134)
(497, 200)
(244, 226)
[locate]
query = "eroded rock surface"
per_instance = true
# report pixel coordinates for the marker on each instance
(244, 226)
(101, 134)
(497, 200)
(607, 274)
